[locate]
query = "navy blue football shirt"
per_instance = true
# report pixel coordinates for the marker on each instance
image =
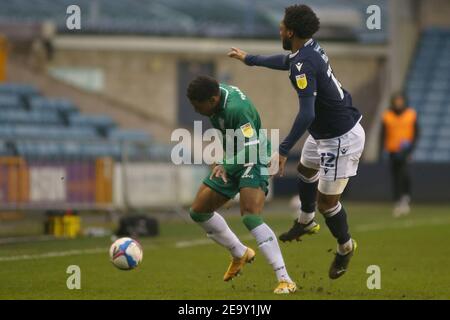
(326, 109)
(311, 75)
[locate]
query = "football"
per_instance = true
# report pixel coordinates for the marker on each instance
(126, 253)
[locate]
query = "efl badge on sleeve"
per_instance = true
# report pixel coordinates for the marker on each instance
(302, 83)
(247, 130)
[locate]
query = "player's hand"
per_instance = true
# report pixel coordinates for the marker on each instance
(219, 172)
(281, 164)
(237, 54)
(277, 164)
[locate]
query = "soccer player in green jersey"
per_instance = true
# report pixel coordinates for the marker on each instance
(233, 114)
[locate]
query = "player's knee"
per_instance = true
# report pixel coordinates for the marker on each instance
(250, 208)
(301, 169)
(197, 206)
(326, 203)
(308, 173)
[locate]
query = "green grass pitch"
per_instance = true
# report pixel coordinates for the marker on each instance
(413, 253)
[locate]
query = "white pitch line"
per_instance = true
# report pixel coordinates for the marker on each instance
(54, 254)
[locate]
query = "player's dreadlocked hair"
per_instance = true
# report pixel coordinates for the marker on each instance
(302, 20)
(202, 88)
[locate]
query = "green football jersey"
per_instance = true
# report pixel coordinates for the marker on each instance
(240, 124)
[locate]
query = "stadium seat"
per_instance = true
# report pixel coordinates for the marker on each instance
(128, 135)
(193, 17)
(37, 150)
(54, 129)
(47, 132)
(10, 101)
(67, 150)
(30, 117)
(98, 121)
(159, 152)
(41, 103)
(430, 73)
(24, 90)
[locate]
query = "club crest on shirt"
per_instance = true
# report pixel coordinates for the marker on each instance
(301, 80)
(247, 130)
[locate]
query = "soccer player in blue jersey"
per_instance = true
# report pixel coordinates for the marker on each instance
(335, 143)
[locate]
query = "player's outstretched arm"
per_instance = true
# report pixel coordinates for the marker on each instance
(277, 62)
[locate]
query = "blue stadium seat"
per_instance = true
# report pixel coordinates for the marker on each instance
(10, 101)
(36, 127)
(128, 135)
(430, 74)
(47, 132)
(443, 144)
(192, 17)
(159, 152)
(34, 149)
(57, 104)
(29, 117)
(99, 121)
(19, 89)
(62, 150)
(428, 131)
(101, 150)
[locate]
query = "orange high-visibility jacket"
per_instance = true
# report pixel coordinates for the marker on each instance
(399, 128)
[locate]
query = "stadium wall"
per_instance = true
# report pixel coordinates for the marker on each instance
(143, 72)
(434, 13)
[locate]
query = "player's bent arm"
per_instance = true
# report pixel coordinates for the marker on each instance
(277, 62)
(304, 118)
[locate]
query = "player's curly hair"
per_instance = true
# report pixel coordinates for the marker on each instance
(302, 20)
(202, 88)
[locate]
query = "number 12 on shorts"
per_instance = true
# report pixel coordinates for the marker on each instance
(327, 160)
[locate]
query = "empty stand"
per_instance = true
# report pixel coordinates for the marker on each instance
(37, 127)
(427, 87)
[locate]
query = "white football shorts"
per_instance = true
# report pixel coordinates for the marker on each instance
(335, 158)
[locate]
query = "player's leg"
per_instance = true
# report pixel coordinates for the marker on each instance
(405, 187)
(341, 159)
(396, 183)
(336, 221)
(395, 177)
(252, 202)
(203, 212)
(307, 181)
